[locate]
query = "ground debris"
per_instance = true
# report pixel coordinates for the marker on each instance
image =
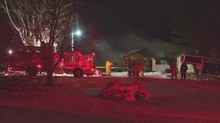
(129, 92)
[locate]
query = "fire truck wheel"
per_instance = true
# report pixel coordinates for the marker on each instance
(78, 72)
(32, 71)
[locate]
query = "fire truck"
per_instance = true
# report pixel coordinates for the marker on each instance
(203, 64)
(76, 63)
(33, 60)
(29, 59)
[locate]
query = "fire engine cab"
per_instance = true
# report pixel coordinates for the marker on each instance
(33, 60)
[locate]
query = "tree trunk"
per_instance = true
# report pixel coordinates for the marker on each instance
(49, 76)
(50, 69)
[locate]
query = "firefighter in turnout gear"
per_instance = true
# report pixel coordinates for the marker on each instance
(174, 70)
(108, 66)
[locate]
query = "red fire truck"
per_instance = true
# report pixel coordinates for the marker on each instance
(77, 63)
(33, 60)
(204, 65)
(29, 59)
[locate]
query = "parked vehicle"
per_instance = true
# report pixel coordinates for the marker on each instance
(77, 63)
(202, 64)
(29, 59)
(34, 59)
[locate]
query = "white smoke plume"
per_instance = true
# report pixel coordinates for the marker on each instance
(113, 48)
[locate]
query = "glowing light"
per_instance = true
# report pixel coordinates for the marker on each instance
(39, 66)
(10, 52)
(78, 32)
(93, 54)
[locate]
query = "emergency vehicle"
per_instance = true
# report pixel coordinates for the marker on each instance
(202, 64)
(78, 64)
(33, 60)
(29, 59)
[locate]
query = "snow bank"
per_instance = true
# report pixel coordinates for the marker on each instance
(146, 74)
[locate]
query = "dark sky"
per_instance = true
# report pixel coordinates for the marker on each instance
(111, 28)
(120, 26)
(117, 16)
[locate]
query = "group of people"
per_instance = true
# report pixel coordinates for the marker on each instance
(174, 70)
(135, 68)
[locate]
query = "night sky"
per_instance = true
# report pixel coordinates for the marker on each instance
(111, 28)
(115, 27)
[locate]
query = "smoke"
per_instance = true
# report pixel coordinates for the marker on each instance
(106, 52)
(114, 47)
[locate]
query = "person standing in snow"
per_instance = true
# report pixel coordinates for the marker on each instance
(174, 71)
(109, 65)
(183, 70)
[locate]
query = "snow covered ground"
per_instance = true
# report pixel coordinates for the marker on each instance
(146, 74)
(125, 74)
(118, 74)
(26, 99)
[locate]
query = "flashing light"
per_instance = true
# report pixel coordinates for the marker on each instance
(39, 66)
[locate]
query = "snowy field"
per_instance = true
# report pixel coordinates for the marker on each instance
(146, 74)
(26, 99)
(125, 74)
(119, 74)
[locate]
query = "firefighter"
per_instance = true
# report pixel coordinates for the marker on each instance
(108, 66)
(131, 68)
(138, 67)
(174, 70)
(183, 70)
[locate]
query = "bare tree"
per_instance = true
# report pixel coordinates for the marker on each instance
(42, 22)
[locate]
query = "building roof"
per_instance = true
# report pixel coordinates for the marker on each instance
(138, 52)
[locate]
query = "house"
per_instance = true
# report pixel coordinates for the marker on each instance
(140, 55)
(151, 62)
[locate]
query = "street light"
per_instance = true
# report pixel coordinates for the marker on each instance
(77, 33)
(10, 52)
